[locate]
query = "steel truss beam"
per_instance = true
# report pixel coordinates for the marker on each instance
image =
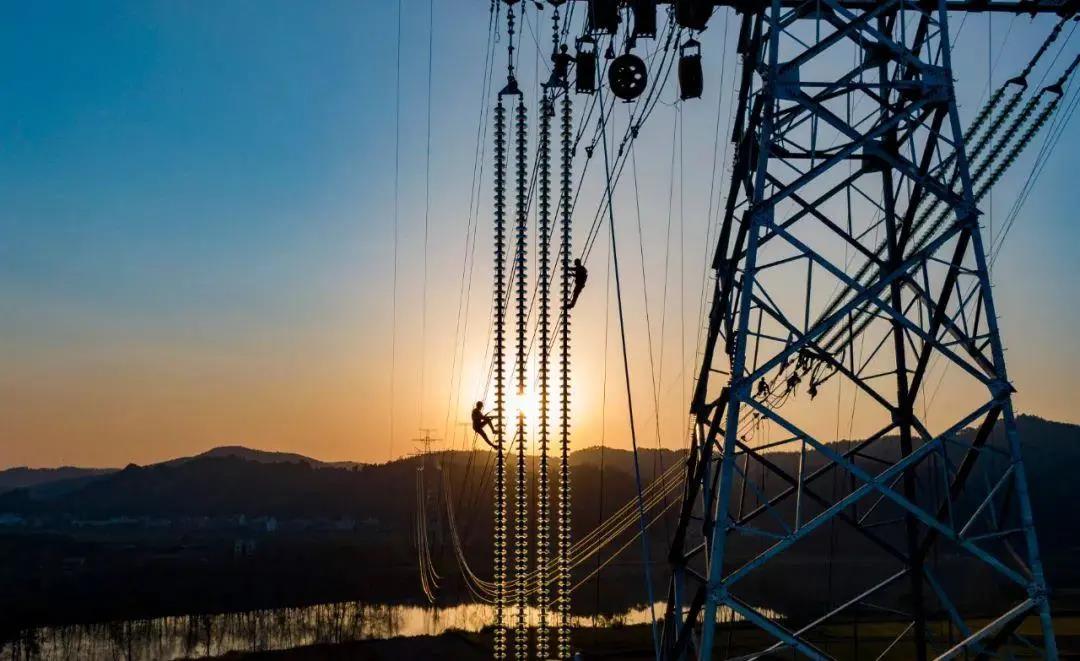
(1030, 7)
(847, 128)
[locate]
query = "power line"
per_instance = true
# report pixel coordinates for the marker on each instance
(397, 177)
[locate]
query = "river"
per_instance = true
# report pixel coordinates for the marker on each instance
(185, 636)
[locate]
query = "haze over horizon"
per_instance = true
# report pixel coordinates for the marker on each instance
(197, 243)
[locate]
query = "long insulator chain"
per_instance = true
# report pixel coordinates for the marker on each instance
(932, 204)
(1050, 39)
(1019, 147)
(1020, 80)
(985, 183)
(501, 535)
(999, 146)
(1058, 90)
(521, 513)
(562, 585)
(933, 207)
(500, 382)
(543, 508)
(980, 146)
(1000, 165)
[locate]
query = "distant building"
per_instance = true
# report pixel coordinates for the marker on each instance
(11, 520)
(243, 548)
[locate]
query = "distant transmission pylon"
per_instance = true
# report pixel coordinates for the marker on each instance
(850, 264)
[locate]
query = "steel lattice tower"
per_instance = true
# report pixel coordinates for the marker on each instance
(850, 259)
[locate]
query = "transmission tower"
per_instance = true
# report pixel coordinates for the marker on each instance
(850, 262)
(423, 450)
(851, 289)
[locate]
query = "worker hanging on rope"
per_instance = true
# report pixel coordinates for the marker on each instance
(581, 274)
(480, 420)
(792, 382)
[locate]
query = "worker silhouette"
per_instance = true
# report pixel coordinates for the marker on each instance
(560, 70)
(581, 274)
(480, 420)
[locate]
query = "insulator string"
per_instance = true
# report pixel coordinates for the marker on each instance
(500, 382)
(562, 590)
(521, 514)
(543, 273)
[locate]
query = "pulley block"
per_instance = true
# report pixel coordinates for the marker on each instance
(628, 76)
(691, 79)
(644, 12)
(603, 16)
(693, 14)
(586, 66)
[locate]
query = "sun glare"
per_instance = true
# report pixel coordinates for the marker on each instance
(527, 402)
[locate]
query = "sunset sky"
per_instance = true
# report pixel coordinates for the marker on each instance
(197, 232)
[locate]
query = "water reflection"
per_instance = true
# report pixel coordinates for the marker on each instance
(280, 628)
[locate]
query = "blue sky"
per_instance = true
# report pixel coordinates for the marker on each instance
(196, 227)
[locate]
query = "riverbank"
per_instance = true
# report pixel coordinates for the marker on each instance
(635, 643)
(626, 642)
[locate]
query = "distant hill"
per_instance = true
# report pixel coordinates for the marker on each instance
(235, 480)
(262, 457)
(23, 477)
(309, 499)
(56, 481)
